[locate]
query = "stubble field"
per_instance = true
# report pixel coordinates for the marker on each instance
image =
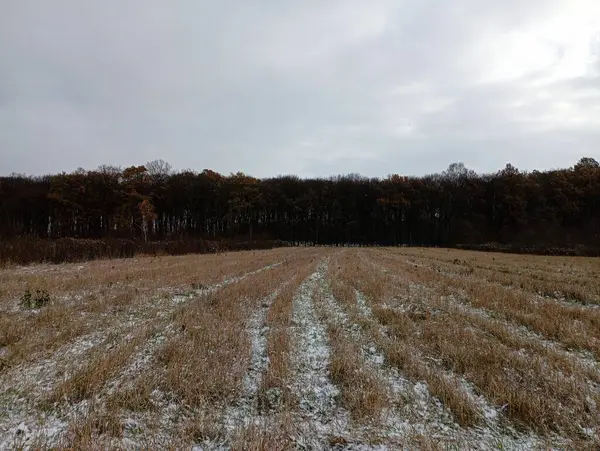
(302, 348)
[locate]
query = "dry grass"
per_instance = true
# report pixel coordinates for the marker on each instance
(575, 326)
(51, 331)
(96, 295)
(161, 343)
(204, 364)
(271, 435)
(147, 273)
(273, 393)
(539, 387)
(211, 324)
(572, 278)
(394, 343)
(134, 398)
(86, 432)
(364, 395)
(89, 380)
(209, 374)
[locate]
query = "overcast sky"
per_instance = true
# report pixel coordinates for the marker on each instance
(304, 87)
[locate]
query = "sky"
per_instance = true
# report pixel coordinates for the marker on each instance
(305, 87)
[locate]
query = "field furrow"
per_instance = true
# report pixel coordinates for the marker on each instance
(303, 348)
(321, 418)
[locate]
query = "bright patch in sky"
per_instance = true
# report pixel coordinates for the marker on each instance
(558, 48)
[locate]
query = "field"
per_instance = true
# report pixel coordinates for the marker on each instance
(302, 348)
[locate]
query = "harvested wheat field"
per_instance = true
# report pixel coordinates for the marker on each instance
(302, 348)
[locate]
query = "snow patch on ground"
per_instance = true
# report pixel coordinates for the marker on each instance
(414, 410)
(319, 414)
(24, 437)
(361, 303)
(244, 412)
(139, 362)
(23, 386)
(206, 290)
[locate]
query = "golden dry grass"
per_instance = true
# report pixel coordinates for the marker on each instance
(394, 343)
(364, 394)
(148, 337)
(575, 326)
(212, 323)
(93, 296)
(273, 393)
(539, 387)
(210, 378)
(573, 278)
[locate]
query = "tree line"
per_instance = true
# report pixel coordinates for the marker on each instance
(152, 202)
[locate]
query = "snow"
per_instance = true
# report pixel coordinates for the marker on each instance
(414, 409)
(21, 387)
(244, 411)
(320, 415)
(204, 291)
(494, 432)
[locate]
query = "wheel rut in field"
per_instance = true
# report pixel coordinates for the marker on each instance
(320, 416)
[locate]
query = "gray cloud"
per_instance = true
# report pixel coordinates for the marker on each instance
(311, 88)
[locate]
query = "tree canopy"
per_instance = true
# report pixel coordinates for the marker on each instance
(154, 202)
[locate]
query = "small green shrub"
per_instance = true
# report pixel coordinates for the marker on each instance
(35, 300)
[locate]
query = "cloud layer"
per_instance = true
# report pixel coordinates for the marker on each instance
(310, 88)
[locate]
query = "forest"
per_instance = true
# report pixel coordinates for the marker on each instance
(152, 203)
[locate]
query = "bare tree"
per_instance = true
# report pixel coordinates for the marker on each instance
(159, 169)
